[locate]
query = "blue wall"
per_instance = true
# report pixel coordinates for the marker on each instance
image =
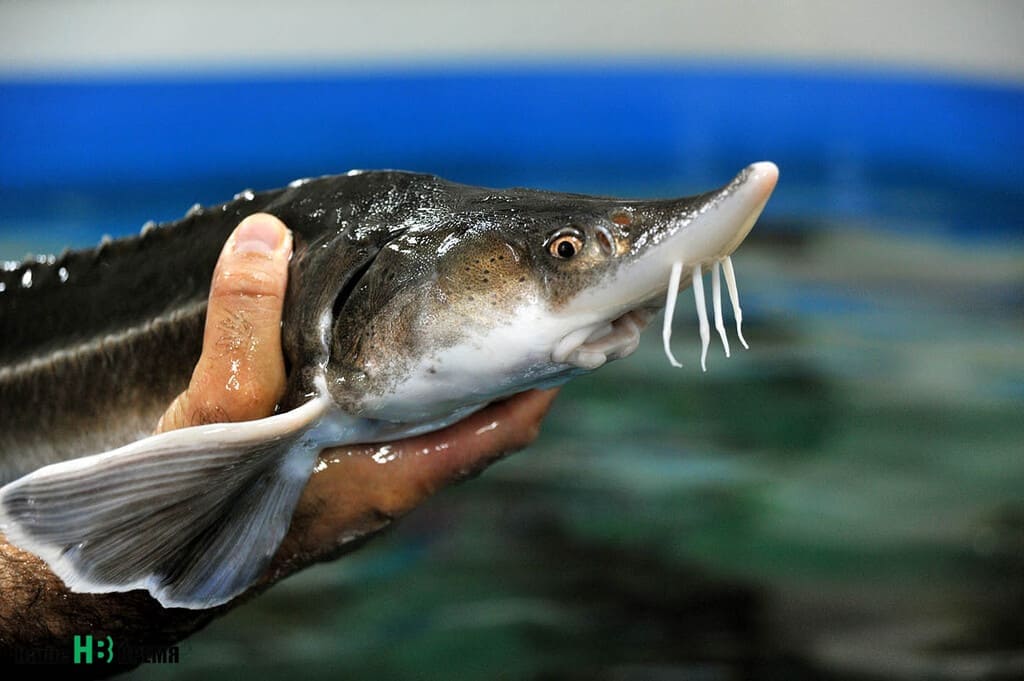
(630, 130)
(652, 119)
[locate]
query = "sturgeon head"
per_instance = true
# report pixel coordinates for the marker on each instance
(496, 292)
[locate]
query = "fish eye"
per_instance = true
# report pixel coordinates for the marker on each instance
(565, 244)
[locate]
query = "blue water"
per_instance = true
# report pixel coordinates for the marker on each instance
(845, 500)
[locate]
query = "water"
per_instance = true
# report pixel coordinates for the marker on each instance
(845, 500)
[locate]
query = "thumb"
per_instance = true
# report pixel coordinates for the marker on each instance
(240, 375)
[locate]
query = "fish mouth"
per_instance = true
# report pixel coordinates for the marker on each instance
(611, 340)
(701, 241)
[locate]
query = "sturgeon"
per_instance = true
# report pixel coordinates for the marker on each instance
(412, 301)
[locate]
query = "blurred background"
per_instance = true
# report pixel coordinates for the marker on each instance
(843, 501)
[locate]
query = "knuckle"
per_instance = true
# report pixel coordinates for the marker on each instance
(204, 414)
(254, 395)
(250, 398)
(247, 284)
(526, 436)
(531, 432)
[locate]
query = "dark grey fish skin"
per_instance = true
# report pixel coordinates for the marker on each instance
(96, 343)
(411, 302)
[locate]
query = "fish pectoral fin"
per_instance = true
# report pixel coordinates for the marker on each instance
(193, 516)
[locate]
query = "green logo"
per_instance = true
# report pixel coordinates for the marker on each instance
(86, 648)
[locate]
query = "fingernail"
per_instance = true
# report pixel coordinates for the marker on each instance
(258, 234)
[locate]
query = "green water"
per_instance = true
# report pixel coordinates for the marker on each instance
(844, 500)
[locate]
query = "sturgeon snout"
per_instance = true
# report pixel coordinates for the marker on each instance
(675, 243)
(712, 241)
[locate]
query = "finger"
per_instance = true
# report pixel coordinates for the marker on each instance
(359, 490)
(240, 375)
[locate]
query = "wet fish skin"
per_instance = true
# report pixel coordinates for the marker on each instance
(476, 293)
(100, 340)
